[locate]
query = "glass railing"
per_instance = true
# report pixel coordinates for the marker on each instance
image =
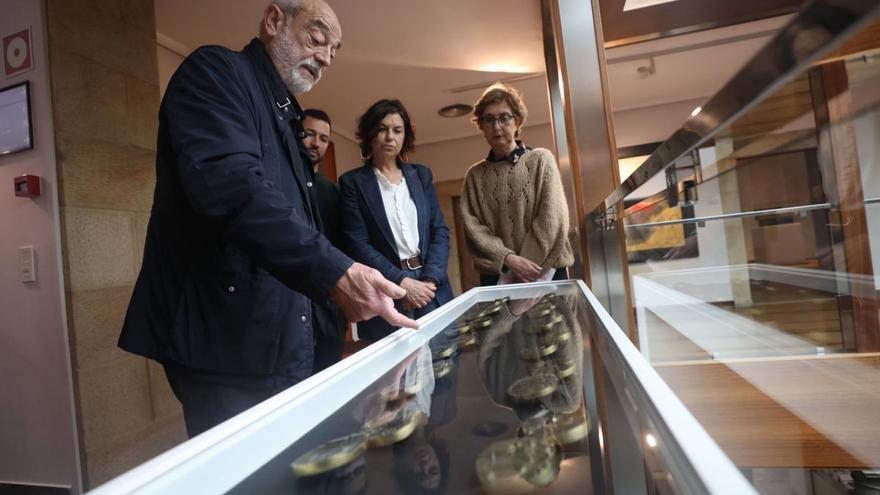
(754, 267)
(764, 243)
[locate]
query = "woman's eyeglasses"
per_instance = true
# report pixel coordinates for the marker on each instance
(489, 120)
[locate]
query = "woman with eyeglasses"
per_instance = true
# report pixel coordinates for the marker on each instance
(514, 209)
(391, 218)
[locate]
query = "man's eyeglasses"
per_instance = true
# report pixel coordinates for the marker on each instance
(489, 120)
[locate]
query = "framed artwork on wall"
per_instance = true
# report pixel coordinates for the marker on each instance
(655, 210)
(16, 125)
(665, 242)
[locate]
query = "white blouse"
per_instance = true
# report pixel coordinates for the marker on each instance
(402, 215)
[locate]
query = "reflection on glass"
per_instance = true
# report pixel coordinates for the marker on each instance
(408, 433)
(755, 277)
(398, 409)
(528, 361)
(503, 399)
(778, 243)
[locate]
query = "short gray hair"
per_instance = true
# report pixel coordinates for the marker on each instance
(291, 9)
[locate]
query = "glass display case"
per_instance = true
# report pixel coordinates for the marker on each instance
(747, 251)
(514, 389)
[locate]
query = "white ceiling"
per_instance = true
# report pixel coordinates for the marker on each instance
(420, 50)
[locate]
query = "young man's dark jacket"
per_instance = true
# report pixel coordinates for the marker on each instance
(232, 253)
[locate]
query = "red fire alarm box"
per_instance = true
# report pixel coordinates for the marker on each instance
(27, 185)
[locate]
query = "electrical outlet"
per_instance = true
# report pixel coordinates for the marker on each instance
(27, 268)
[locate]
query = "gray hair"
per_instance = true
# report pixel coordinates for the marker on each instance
(291, 9)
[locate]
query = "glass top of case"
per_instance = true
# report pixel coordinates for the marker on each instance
(492, 403)
(517, 389)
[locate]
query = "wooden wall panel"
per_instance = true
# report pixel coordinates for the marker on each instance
(866, 40)
(683, 16)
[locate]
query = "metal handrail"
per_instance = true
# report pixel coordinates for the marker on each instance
(819, 28)
(728, 216)
(744, 214)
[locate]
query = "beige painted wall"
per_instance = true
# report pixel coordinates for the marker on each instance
(37, 426)
(167, 61)
(348, 153)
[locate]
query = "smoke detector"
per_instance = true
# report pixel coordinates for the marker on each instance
(648, 70)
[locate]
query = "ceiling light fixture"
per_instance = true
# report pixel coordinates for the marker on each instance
(455, 110)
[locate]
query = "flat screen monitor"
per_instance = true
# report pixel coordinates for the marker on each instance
(16, 131)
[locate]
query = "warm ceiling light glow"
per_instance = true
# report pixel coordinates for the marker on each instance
(651, 441)
(504, 68)
(640, 4)
(696, 111)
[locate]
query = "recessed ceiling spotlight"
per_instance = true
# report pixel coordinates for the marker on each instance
(455, 110)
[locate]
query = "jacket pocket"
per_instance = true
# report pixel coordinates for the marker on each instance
(227, 321)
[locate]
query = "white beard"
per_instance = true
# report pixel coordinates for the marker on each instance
(282, 50)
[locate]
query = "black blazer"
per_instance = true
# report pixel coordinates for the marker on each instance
(232, 252)
(368, 236)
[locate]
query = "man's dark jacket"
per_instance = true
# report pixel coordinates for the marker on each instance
(328, 203)
(232, 252)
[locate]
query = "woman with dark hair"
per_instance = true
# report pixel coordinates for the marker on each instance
(391, 218)
(514, 211)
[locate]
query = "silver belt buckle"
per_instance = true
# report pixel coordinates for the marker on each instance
(412, 267)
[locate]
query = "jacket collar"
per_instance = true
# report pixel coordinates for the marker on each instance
(373, 196)
(511, 157)
(289, 118)
(285, 102)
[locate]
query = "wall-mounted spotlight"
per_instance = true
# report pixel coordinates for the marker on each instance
(648, 70)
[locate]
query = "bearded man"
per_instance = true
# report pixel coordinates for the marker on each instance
(233, 260)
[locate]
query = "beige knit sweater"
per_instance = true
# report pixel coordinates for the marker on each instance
(516, 208)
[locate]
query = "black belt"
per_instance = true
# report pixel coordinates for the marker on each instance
(413, 263)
